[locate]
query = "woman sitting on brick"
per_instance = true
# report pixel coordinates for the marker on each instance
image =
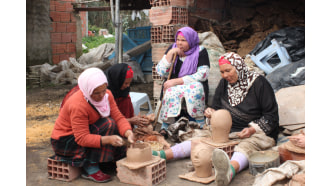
(119, 78)
(250, 99)
(90, 127)
(188, 82)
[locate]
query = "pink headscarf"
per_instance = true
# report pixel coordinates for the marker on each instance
(90, 79)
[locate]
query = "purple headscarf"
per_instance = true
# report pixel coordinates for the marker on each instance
(191, 61)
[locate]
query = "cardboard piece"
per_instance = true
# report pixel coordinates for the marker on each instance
(191, 176)
(291, 105)
(137, 165)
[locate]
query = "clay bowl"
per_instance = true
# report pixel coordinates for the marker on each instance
(139, 152)
(262, 160)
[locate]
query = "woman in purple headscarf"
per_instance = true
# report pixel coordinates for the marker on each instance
(188, 82)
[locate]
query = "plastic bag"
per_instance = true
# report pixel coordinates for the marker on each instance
(293, 39)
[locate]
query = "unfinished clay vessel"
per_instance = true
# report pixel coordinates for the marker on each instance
(201, 155)
(139, 152)
(221, 122)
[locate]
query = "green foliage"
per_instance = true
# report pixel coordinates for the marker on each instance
(94, 28)
(95, 41)
(101, 19)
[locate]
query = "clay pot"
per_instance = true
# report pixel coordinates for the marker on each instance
(285, 154)
(221, 122)
(139, 152)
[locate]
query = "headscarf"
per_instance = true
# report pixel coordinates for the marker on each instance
(116, 75)
(191, 61)
(238, 91)
(90, 79)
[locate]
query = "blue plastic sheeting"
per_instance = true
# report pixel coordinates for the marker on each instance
(127, 45)
(140, 34)
(135, 37)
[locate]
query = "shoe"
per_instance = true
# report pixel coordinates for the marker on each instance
(99, 177)
(221, 163)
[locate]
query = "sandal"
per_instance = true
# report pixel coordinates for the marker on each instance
(164, 133)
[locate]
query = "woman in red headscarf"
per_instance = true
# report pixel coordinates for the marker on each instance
(251, 101)
(119, 78)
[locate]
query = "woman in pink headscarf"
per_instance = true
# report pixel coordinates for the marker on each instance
(90, 127)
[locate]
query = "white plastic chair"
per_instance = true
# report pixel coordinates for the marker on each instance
(138, 99)
(261, 59)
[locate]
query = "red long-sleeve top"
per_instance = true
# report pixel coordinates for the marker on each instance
(76, 116)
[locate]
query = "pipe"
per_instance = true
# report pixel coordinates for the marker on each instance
(120, 54)
(117, 33)
(112, 14)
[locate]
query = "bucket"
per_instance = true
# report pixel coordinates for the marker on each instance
(262, 160)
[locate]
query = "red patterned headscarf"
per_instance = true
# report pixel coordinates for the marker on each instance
(238, 91)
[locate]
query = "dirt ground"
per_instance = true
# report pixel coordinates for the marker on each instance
(42, 106)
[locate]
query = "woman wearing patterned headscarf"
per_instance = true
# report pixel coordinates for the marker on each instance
(251, 102)
(188, 82)
(88, 129)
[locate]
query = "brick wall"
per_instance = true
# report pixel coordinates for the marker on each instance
(63, 33)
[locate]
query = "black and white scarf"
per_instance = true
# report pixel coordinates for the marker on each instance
(238, 91)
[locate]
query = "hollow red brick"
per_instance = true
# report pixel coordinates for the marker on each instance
(62, 171)
(146, 176)
(155, 3)
(168, 15)
(158, 50)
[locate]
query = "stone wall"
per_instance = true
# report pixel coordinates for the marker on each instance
(38, 49)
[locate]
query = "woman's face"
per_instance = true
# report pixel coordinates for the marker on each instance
(228, 72)
(126, 83)
(182, 43)
(99, 92)
(199, 157)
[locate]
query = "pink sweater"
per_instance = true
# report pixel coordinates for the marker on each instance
(76, 116)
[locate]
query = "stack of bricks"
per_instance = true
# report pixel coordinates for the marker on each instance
(64, 30)
(145, 176)
(166, 16)
(62, 171)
